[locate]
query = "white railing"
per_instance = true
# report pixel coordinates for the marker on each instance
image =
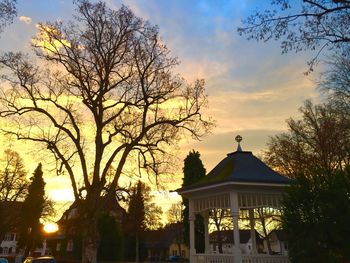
(213, 258)
(228, 258)
(261, 258)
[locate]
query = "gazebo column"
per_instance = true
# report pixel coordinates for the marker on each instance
(206, 231)
(192, 218)
(237, 254)
(252, 230)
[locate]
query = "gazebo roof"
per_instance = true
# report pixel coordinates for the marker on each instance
(241, 167)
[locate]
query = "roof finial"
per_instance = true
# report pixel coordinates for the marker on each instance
(239, 139)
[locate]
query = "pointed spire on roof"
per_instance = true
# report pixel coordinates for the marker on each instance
(239, 139)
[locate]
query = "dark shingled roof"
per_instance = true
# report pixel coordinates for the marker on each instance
(241, 166)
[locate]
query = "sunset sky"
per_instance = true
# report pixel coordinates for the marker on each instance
(252, 88)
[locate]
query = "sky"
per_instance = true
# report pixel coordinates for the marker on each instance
(252, 89)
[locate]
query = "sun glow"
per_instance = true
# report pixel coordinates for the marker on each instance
(50, 227)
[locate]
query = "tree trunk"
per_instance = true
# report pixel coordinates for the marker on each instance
(220, 241)
(263, 224)
(90, 242)
(179, 247)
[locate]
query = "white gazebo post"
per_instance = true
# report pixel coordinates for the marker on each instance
(206, 231)
(192, 218)
(235, 215)
(252, 230)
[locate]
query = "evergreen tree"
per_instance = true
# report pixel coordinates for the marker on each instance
(193, 171)
(111, 245)
(316, 218)
(136, 216)
(32, 210)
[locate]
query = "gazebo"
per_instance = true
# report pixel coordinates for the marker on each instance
(239, 182)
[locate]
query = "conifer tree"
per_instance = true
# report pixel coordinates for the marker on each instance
(112, 239)
(193, 171)
(136, 216)
(32, 210)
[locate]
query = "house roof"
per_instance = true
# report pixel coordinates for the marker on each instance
(240, 166)
(280, 234)
(112, 206)
(227, 236)
(162, 238)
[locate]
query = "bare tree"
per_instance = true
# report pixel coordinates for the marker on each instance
(175, 217)
(221, 220)
(102, 94)
(175, 213)
(153, 215)
(320, 140)
(13, 188)
(7, 12)
(268, 219)
(302, 25)
(335, 81)
(13, 182)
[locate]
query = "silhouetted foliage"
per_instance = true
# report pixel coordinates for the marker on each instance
(193, 171)
(112, 240)
(103, 94)
(32, 209)
(7, 12)
(143, 214)
(335, 81)
(316, 211)
(302, 25)
(13, 188)
(320, 140)
(136, 220)
(175, 222)
(13, 182)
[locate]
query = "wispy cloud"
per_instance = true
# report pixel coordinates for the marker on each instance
(25, 19)
(252, 88)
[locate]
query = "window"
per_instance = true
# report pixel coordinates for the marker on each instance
(58, 246)
(174, 252)
(285, 245)
(70, 245)
(9, 237)
(5, 250)
(183, 253)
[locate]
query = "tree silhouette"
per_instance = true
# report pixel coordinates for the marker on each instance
(13, 182)
(136, 220)
(193, 171)
(103, 94)
(32, 209)
(315, 217)
(175, 222)
(335, 81)
(319, 140)
(112, 239)
(7, 12)
(302, 25)
(13, 188)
